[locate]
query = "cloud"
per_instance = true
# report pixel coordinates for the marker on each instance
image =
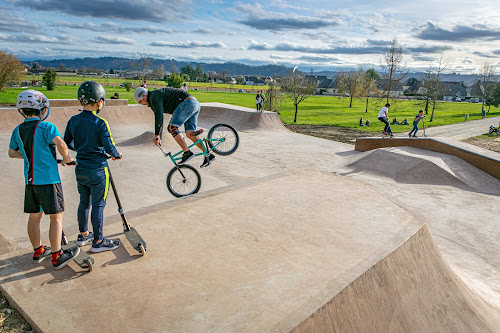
(290, 23)
(112, 27)
(458, 33)
(115, 40)
(261, 18)
(190, 44)
(203, 31)
(15, 23)
(378, 42)
(423, 58)
(151, 10)
(485, 55)
(35, 39)
(427, 49)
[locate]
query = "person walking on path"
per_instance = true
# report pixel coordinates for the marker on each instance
(383, 116)
(34, 141)
(417, 119)
(184, 109)
(90, 135)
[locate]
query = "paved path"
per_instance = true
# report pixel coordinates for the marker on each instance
(458, 131)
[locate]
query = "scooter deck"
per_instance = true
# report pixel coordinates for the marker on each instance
(82, 258)
(135, 239)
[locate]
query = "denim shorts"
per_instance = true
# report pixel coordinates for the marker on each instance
(186, 113)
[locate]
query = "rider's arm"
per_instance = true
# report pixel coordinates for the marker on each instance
(68, 137)
(157, 107)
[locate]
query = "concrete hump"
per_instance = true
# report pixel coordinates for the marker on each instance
(239, 117)
(413, 289)
(414, 166)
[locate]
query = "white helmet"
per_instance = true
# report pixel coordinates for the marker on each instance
(32, 99)
(138, 93)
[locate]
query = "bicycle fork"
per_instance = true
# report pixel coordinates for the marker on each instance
(169, 154)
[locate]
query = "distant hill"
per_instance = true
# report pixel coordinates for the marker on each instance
(107, 63)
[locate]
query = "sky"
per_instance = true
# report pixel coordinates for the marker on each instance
(313, 35)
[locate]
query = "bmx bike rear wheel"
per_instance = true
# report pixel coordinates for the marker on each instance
(183, 180)
(229, 139)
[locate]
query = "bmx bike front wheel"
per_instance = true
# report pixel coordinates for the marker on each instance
(183, 180)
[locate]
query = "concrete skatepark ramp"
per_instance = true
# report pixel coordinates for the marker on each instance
(273, 242)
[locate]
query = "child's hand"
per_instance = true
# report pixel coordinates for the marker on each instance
(117, 158)
(67, 160)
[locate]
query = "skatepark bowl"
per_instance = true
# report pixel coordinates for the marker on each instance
(291, 233)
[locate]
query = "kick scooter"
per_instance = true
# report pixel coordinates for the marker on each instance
(82, 259)
(132, 235)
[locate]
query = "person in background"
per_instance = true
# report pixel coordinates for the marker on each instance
(184, 87)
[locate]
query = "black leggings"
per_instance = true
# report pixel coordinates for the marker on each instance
(382, 119)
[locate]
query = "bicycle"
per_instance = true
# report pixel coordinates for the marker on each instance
(184, 179)
(494, 129)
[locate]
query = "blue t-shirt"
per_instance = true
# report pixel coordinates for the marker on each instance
(33, 138)
(417, 119)
(90, 136)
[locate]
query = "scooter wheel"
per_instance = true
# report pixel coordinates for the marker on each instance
(143, 249)
(90, 264)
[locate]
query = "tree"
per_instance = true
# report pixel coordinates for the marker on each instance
(62, 68)
(111, 71)
(487, 76)
(273, 97)
(141, 64)
(174, 80)
(297, 89)
(393, 67)
(189, 71)
(127, 85)
(350, 82)
(49, 79)
(368, 85)
(10, 68)
(493, 95)
(433, 80)
(199, 75)
(159, 72)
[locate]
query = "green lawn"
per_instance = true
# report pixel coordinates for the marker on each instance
(316, 110)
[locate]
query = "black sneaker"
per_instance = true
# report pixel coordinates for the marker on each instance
(186, 156)
(105, 245)
(39, 257)
(82, 240)
(64, 257)
(208, 160)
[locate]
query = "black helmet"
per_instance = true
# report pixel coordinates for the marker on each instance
(91, 91)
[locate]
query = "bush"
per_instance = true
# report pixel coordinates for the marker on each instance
(127, 85)
(49, 79)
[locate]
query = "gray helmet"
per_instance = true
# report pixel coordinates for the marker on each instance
(91, 91)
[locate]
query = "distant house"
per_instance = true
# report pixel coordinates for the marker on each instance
(328, 87)
(253, 80)
(397, 89)
(453, 90)
(315, 78)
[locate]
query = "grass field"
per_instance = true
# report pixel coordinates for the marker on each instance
(116, 81)
(316, 110)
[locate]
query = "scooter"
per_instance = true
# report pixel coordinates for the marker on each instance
(82, 259)
(132, 235)
(494, 129)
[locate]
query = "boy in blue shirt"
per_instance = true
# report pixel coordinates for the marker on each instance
(417, 119)
(34, 141)
(90, 136)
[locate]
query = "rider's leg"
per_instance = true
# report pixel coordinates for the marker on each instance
(191, 123)
(182, 113)
(178, 137)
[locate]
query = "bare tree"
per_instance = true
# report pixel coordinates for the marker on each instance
(394, 71)
(487, 76)
(297, 89)
(273, 97)
(10, 68)
(433, 80)
(368, 85)
(141, 64)
(159, 72)
(351, 83)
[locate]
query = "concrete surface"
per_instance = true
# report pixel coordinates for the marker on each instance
(456, 131)
(289, 233)
(483, 159)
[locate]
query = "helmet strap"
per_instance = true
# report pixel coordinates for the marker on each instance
(22, 114)
(46, 116)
